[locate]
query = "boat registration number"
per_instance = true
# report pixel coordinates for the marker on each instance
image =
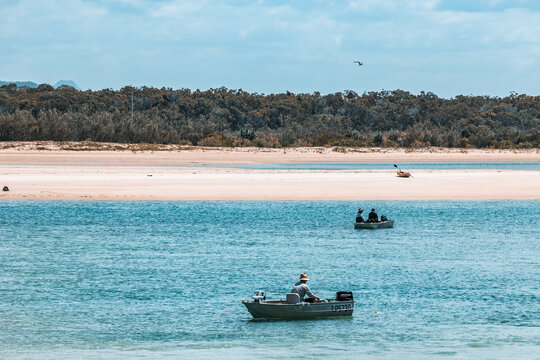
(342, 307)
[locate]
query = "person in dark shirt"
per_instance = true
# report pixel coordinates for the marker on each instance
(373, 217)
(359, 217)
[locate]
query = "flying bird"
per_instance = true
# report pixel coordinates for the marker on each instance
(359, 63)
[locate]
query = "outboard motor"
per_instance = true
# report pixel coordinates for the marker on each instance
(259, 295)
(344, 296)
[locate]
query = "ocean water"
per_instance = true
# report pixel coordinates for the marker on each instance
(164, 280)
(527, 166)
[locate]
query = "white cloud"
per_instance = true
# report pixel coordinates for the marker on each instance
(178, 9)
(392, 5)
(297, 43)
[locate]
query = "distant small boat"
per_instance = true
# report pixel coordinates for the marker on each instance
(404, 174)
(375, 225)
(401, 173)
(293, 308)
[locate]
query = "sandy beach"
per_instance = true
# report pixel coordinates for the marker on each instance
(51, 173)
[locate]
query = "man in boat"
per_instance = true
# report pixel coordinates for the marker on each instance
(373, 217)
(302, 289)
(359, 217)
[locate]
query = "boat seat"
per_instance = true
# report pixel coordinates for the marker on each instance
(293, 298)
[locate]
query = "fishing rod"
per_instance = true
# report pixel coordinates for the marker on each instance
(320, 283)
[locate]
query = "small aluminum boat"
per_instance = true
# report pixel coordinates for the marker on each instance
(375, 225)
(342, 305)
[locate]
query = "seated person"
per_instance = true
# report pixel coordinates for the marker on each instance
(373, 217)
(359, 217)
(302, 289)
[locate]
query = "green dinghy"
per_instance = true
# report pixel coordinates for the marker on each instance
(388, 224)
(293, 308)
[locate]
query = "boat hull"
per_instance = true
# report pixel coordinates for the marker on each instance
(372, 226)
(303, 310)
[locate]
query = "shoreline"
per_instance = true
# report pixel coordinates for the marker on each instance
(188, 175)
(55, 153)
(213, 184)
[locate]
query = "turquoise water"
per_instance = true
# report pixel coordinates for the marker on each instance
(156, 280)
(527, 166)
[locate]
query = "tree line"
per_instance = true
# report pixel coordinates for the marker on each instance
(224, 117)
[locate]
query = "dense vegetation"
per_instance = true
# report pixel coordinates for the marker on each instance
(222, 117)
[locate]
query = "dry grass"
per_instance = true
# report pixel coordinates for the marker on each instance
(146, 147)
(90, 146)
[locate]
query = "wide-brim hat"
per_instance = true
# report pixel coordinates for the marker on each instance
(360, 210)
(303, 276)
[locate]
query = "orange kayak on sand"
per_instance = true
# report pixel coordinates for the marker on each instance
(401, 173)
(404, 174)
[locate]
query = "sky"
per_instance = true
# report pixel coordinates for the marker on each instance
(448, 47)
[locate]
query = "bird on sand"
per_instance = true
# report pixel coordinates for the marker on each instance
(358, 62)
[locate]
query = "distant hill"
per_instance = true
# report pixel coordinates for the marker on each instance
(31, 84)
(66, 82)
